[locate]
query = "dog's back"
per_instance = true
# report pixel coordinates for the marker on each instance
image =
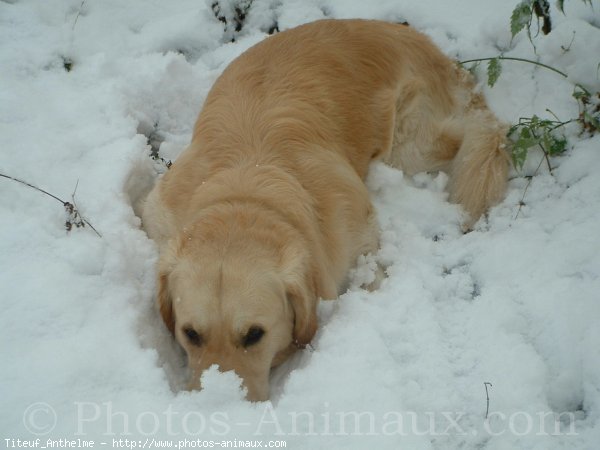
(359, 89)
(332, 84)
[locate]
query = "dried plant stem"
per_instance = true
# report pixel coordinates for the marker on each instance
(75, 217)
(487, 397)
(78, 14)
(32, 186)
(530, 179)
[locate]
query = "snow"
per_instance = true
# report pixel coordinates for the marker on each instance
(514, 303)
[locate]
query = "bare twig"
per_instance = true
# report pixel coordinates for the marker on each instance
(75, 218)
(547, 158)
(78, 14)
(487, 397)
(32, 186)
(522, 202)
(77, 210)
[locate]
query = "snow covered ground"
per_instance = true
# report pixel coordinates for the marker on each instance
(515, 303)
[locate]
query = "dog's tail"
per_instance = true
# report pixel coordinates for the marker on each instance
(479, 171)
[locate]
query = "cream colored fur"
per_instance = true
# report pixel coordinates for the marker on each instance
(266, 210)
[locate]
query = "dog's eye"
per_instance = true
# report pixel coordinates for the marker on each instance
(193, 336)
(254, 335)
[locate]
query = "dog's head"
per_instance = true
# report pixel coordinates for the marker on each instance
(243, 301)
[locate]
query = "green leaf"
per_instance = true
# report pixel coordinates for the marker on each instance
(521, 17)
(558, 146)
(561, 5)
(522, 144)
(527, 139)
(519, 155)
(580, 92)
(545, 123)
(494, 69)
(553, 145)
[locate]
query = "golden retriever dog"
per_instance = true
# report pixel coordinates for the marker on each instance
(266, 211)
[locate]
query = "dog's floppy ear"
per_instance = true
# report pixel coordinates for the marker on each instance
(165, 303)
(302, 296)
(166, 264)
(304, 285)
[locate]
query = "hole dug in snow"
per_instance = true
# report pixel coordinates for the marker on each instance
(149, 165)
(152, 332)
(139, 183)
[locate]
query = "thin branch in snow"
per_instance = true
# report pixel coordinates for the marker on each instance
(78, 14)
(74, 217)
(487, 397)
(530, 179)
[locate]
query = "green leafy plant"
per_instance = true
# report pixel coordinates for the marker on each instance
(494, 69)
(536, 132)
(521, 17)
(544, 133)
(524, 13)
